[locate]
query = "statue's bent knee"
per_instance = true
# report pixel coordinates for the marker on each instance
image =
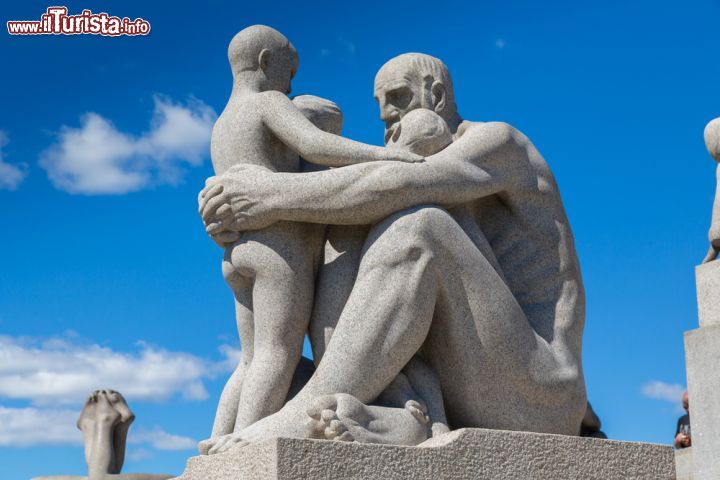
(407, 235)
(419, 223)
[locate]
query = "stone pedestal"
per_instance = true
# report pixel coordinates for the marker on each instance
(707, 279)
(702, 360)
(684, 464)
(460, 455)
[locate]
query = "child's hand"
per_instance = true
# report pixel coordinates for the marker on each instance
(397, 155)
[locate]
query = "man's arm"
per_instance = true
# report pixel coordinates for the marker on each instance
(487, 159)
(284, 119)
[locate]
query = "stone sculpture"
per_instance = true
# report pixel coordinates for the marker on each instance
(271, 271)
(104, 422)
(450, 293)
(712, 142)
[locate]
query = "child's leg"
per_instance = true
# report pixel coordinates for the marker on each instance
(229, 400)
(282, 301)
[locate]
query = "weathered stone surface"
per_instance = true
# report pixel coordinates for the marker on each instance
(461, 455)
(684, 464)
(702, 359)
(707, 279)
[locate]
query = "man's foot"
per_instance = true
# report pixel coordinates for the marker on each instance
(338, 417)
(345, 418)
(289, 422)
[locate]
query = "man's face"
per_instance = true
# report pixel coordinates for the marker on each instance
(397, 93)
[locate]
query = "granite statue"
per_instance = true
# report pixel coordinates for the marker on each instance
(449, 294)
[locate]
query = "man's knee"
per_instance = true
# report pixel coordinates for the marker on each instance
(418, 225)
(410, 234)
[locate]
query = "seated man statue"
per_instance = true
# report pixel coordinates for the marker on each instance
(469, 268)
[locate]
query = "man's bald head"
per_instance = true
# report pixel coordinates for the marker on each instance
(686, 402)
(261, 48)
(414, 80)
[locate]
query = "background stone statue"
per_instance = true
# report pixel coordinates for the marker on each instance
(712, 142)
(104, 422)
(465, 294)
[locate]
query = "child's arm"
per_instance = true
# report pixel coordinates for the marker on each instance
(283, 118)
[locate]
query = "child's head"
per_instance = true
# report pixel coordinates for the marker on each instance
(421, 131)
(323, 113)
(261, 49)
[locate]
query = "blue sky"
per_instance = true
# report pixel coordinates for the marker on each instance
(107, 277)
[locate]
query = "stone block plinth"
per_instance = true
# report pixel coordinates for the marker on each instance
(460, 455)
(707, 279)
(683, 464)
(702, 360)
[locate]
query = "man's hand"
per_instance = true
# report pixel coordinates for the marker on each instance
(237, 201)
(682, 441)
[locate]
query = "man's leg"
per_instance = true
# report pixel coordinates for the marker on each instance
(334, 283)
(416, 262)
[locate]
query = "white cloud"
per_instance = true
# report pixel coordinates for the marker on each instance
(24, 427)
(139, 455)
(65, 371)
(663, 391)
(161, 440)
(30, 426)
(10, 175)
(232, 357)
(52, 373)
(97, 158)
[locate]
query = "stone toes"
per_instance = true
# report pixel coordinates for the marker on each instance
(335, 429)
(418, 405)
(218, 445)
(327, 402)
(328, 415)
(418, 410)
(205, 446)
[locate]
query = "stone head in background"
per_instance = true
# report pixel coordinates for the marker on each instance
(104, 422)
(321, 112)
(712, 142)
